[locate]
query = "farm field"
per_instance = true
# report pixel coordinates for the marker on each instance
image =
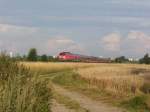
(73, 87)
(106, 86)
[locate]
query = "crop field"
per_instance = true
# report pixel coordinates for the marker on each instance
(78, 87)
(119, 84)
(53, 67)
(116, 78)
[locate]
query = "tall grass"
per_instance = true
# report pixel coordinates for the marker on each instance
(21, 90)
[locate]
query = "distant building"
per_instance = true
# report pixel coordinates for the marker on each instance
(54, 57)
(131, 59)
(11, 54)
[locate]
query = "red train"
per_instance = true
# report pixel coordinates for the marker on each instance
(67, 56)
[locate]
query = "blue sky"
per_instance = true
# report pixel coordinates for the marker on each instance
(94, 27)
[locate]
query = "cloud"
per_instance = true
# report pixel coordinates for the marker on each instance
(138, 41)
(135, 44)
(127, 22)
(61, 43)
(111, 42)
(21, 38)
(134, 2)
(14, 28)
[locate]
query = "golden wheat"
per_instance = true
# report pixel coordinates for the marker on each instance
(118, 79)
(52, 67)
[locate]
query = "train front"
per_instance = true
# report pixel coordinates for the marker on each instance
(67, 56)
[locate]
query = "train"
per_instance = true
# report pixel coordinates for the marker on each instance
(68, 56)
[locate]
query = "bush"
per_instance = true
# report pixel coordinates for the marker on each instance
(20, 90)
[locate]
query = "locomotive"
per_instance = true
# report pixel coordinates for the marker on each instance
(67, 56)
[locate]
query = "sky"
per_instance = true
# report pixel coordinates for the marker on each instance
(106, 28)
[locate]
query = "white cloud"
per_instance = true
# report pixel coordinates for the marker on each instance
(61, 43)
(133, 2)
(134, 44)
(111, 42)
(14, 28)
(139, 41)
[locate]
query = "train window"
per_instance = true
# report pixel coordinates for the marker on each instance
(64, 53)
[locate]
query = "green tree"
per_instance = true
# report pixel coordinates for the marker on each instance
(44, 58)
(121, 59)
(145, 59)
(32, 55)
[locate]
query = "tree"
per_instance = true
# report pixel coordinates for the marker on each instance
(145, 59)
(44, 58)
(32, 55)
(121, 59)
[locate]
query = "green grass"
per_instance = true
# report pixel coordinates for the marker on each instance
(70, 79)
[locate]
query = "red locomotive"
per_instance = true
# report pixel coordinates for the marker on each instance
(67, 56)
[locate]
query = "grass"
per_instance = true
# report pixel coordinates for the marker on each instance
(22, 90)
(117, 84)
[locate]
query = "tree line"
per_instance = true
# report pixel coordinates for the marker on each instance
(123, 59)
(33, 56)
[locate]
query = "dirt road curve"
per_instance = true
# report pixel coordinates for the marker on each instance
(89, 104)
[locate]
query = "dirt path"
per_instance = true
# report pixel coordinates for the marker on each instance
(56, 107)
(85, 102)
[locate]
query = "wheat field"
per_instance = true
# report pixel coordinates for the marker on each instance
(51, 67)
(118, 79)
(124, 81)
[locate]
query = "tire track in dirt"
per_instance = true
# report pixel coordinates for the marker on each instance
(85, 102)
